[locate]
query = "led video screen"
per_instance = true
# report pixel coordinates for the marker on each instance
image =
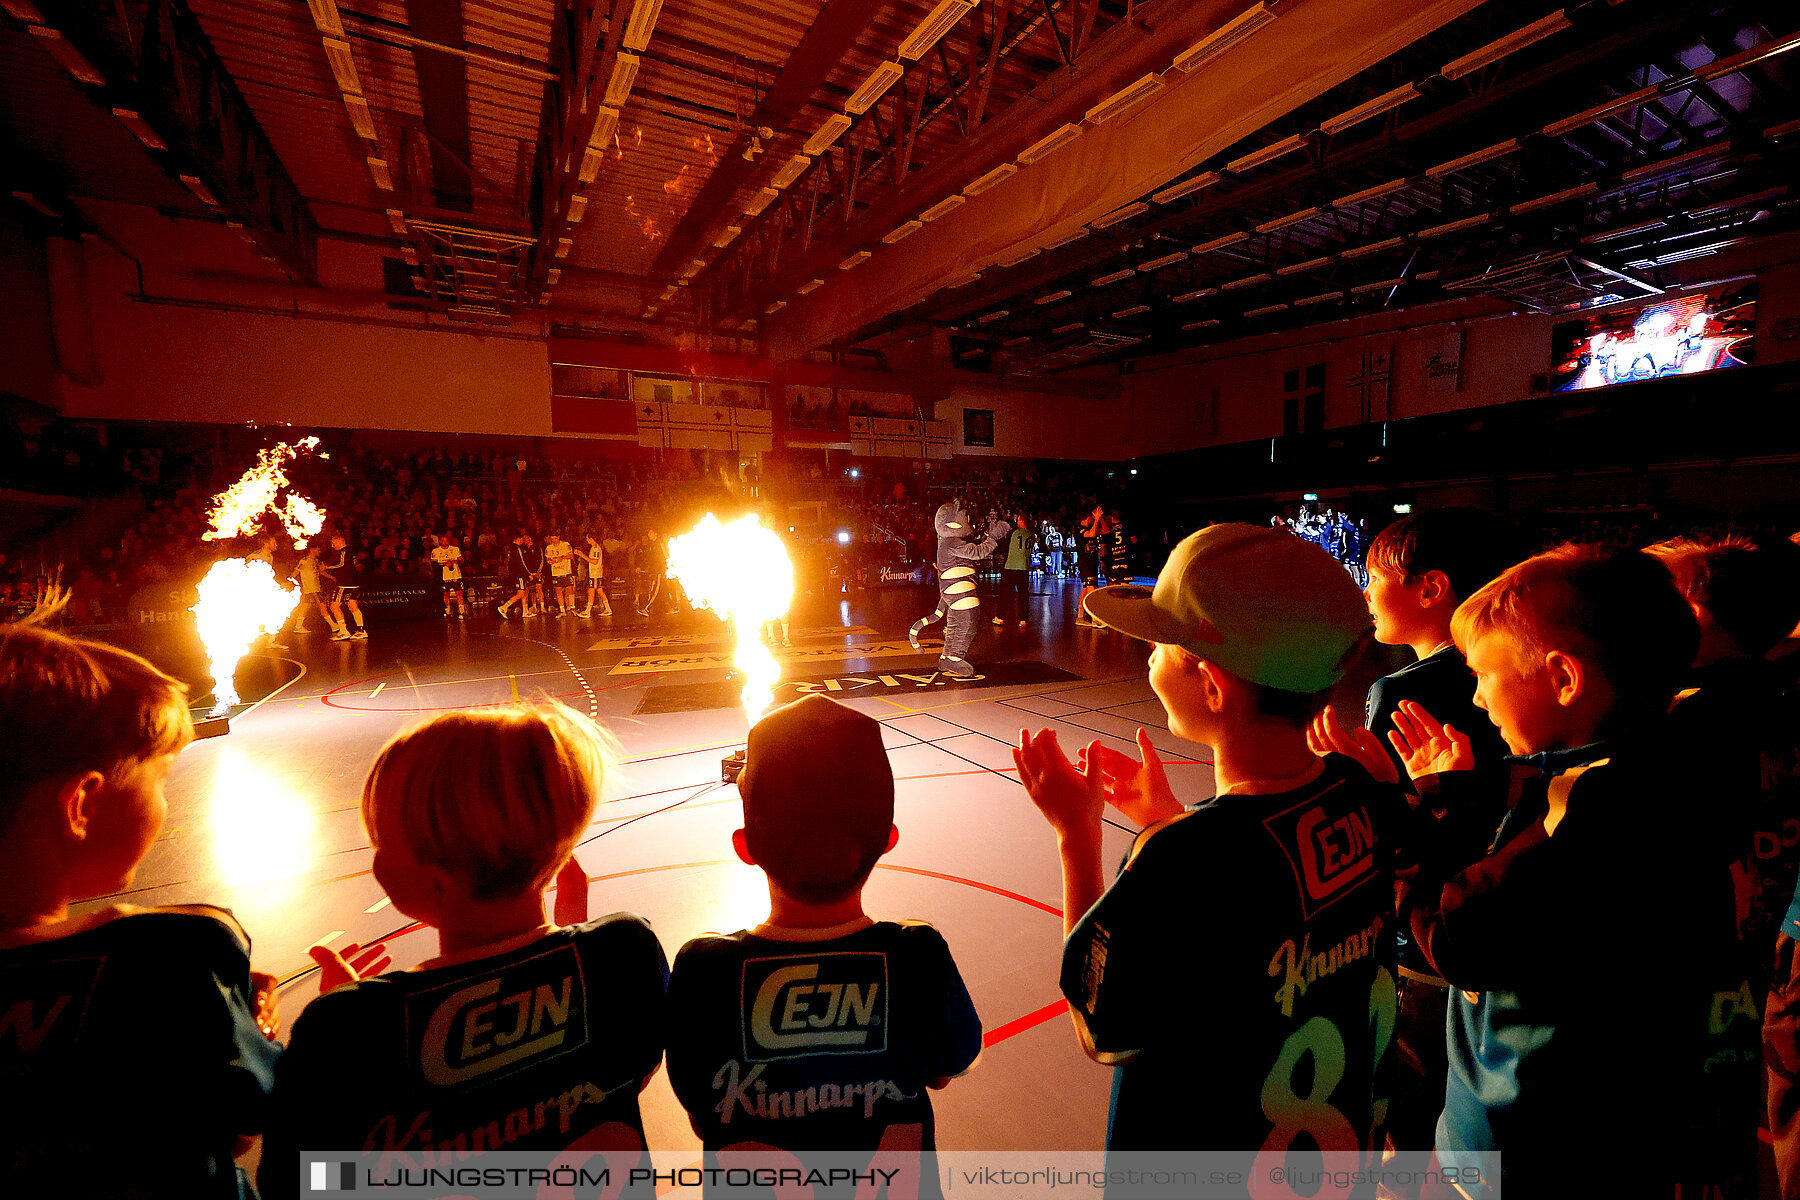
(1706, 331)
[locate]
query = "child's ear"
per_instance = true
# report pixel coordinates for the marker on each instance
(1435, 589)
(893, 837)
(1568, 677)
(75, 802)
(741, 844)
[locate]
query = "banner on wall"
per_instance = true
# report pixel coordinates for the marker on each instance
(1442, 362)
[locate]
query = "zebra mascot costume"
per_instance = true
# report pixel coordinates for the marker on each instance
(956, 559)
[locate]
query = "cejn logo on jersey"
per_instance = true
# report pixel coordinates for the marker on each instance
(517, 1017)
(817, 1004)
(1329, 854)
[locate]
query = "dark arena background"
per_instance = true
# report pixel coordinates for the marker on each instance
(597, 269)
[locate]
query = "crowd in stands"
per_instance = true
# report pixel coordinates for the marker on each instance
(394, 509)
(1529, 904)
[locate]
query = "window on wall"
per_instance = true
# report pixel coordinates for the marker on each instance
(1303, 399)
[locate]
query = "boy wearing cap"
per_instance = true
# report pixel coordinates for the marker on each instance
(1236, 969)
(821, 1028)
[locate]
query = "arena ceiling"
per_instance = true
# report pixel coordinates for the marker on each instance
(1056, 182)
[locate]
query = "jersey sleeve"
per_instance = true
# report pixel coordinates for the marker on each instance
(313, 1082)
(1119, 969)
(636, 990)
(222, 1004)
(951, 1027)
(696, 989)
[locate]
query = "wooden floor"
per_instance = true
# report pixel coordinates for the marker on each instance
(265, 819)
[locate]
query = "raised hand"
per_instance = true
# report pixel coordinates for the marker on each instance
(1328, 735)
(1427, 747)
(356, 962)
(571, 906)
(1071, 798)
(1139, 790)
(268, 1002)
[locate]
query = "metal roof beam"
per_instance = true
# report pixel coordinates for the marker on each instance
(837, 30)
(153, 61)
(444, 95)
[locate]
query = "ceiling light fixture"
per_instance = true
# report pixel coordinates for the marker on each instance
(1196, 294)
(591, 159)
(1293, 218)
(943, 208)
(1121, 214)
(1449, 227)
(1588, 116)
(1219, 243)
(606, 123)
(1225, 37)
(874, 87)
(727, 236)
(624, 74)
(1373, 247)
(577, 209)
(641, 24)
(993, 316)
(1321, 298)
(1378, 285)
(1016, 259)
(1167, 260)
(1246, 281)
(1018, 341)
(1126, 97)
(810, 286)
(325, 16)
(828, 132)
(1311, 264)
(856, 260)
(760, 201)
(1370, 193)
(1133, 311)
(791, 171)
(775, 307)
(564, 246)
(1049, 143)
(378, 171)
(1178, 190)
(1499, 48)
(1127, 273)
(1745, 58)
(1369, 108)
(1267, 154)
(1265, 310)
(1073, 237)
(202, 193)
(942, 19)
(996, 176)
(343, 65)
(902, 231)
(360, 118)
(1071, 327)
(1554, 198)
(1208, 323)
(1474, 158)
(1053, 297)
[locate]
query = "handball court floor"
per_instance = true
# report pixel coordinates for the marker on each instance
(265, 820)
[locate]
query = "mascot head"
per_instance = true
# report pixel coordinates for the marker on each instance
(951, 521)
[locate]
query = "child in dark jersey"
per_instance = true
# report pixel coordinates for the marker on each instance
(1420, 568)
(1554, 1051)
(822, 1028)
(521, 1034)
(1237, 970)
(134, 1043)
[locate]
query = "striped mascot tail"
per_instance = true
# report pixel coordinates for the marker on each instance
(924, 623)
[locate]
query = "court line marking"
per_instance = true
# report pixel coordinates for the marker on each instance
(284, 687)
(377, 690)
(329, 938)
(378, 905)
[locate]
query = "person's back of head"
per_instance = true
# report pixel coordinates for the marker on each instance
(494, 798)
(1746, 595)
(1469, 546)
(69, 707)
(1274, 612)
(1616, 609)
(818, 797)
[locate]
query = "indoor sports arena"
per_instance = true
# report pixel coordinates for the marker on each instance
(1300, 497)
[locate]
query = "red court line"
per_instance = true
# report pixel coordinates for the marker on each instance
(995, 1036)
(986, 887)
